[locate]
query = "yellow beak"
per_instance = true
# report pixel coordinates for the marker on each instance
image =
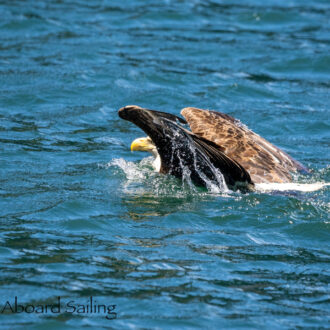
(142, 144)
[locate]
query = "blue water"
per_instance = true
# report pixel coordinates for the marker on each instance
(82, 216)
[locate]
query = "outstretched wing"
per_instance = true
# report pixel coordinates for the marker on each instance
(264, 161)
(182, 152)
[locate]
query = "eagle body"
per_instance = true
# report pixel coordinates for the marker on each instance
(217, 148)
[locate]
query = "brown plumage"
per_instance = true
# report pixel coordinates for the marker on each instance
(262, 160)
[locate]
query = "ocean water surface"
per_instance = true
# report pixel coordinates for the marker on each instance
(82, 216)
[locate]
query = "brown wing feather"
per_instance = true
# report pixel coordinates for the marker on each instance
(263, 161)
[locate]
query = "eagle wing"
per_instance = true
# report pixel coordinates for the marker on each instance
(180, 150)
(263, 161)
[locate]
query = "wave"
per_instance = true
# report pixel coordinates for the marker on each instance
(140, 177)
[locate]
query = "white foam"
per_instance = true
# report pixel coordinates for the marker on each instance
(304, 187)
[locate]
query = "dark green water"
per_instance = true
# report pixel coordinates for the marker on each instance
(82, 216)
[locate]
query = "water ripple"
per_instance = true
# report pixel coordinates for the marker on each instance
(82, 216)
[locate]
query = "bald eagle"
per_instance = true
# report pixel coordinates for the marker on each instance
(216, 143)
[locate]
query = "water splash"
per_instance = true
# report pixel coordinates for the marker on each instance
(140, 178)
(220, 185)
(180, 140)
(132, 171)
